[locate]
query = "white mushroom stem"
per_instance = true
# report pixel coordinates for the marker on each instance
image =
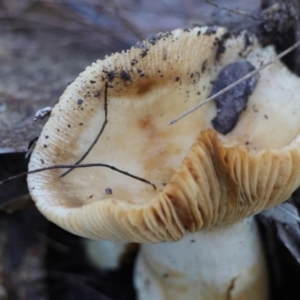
(105, 254)
(221, 263)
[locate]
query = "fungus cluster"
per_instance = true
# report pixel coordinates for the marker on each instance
(199, 241)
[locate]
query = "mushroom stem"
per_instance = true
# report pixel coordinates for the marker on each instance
(220, 263)
(105, 255)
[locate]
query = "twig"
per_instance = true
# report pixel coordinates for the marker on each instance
(99, 134)
(288, 50)
(78, 166)
(235, 11)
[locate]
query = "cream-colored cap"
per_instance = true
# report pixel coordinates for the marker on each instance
(203, 178)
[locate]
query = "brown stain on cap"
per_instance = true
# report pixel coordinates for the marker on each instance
(147, 126)
(145, 86)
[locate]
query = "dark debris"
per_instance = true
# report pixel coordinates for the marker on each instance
(280, 229)
(125, 75)
(234, 101)
(221, 45)
(211, 30)
(110, 75)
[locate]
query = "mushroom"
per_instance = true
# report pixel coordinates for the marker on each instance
(198, 238)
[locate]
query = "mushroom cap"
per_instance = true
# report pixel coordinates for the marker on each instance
(203, 178)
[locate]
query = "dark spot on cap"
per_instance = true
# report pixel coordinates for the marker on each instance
(110, 75)
(144, 47)
(134, 61)
(79, 101)
(108, 191)
(92, 81)
(152, 40)
(144, 53)
(221, 45)
(163, 35)
(125, 76)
